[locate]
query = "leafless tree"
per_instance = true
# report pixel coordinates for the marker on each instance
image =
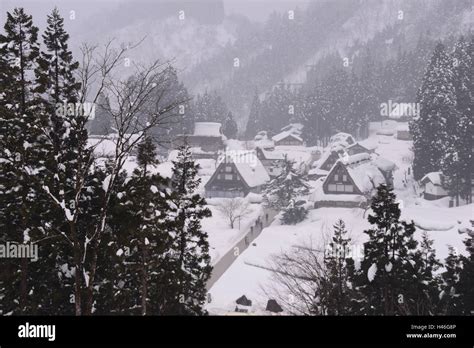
(234, 209)
(298, 275)
(131, 100)
(298, 278)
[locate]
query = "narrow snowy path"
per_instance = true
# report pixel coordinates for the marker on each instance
(233, 253)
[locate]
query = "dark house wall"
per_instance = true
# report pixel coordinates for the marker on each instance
(226, 182)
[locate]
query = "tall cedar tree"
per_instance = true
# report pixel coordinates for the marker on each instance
(142, 242)
(388, 276)
(23, 169)
(210, 107)
(429, 280)
(253, 122)
(336, 288)
(230, 128)
(466, 276)
(456, 164)
(191, 263)
(68, 137)
(437, 105)
(450, 297)
(58, 90)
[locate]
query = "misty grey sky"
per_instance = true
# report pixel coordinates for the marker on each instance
(256, 10)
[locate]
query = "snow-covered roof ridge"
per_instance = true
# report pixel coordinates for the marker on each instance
(384, 164)
(435, 177)
(341, 136)
(285, 134)
(271, 155)
(366, 175)
(295, 128)
(368, 144)
(207, 129)
(248, 165)
(357, 158)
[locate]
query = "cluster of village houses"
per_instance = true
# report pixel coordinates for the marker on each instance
(344, 174)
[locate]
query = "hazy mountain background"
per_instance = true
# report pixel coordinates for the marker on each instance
(270, 47)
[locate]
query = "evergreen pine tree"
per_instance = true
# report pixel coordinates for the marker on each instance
(24, 159)
(287, 186)
(58, 89)
(336, 289)
(388, 277)
(456, 164)
(428, 280)
(450, 297)
(55, 73)
(466, 276)
(294, 213)
(253, 122)
(437, 105)
(230, 128)
(190, 260)
(140, 278)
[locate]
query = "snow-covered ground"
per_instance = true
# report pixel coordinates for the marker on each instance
(220, 236)
(247, 277)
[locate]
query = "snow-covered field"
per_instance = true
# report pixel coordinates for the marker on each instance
(247, 277)
(221, 237)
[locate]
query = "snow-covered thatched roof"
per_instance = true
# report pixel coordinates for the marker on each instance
(384, 164)
(285, 134)
(207, 129)
(272, 155)
(249, 167)
(436, 178)
(295, 128)
(364, 172)
(369, 145)
(342, 138)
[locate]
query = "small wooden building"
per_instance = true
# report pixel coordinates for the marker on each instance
(433, 186)
(237, 175)
(207, 137)
(351, 179)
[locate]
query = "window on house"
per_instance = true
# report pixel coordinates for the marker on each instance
(228, 169)
(332, 187)
(344, 177)
(340, 188)
(219, 176)
(336, 177)
(348, 188)
(228, 176)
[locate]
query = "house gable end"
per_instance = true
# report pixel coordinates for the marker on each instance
(335, 183)
(220, 170)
